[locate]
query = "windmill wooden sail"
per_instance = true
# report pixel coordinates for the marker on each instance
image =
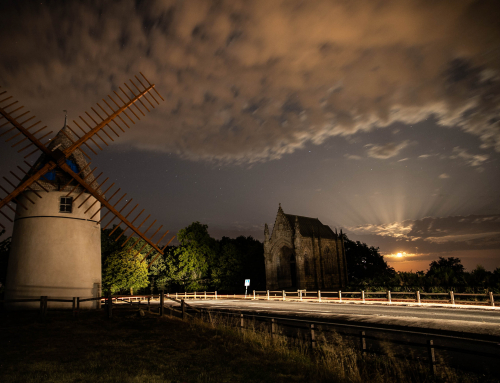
(63, 176)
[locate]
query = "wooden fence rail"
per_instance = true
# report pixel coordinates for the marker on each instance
(402, 296)
(391, 297)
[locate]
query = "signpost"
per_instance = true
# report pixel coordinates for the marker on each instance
(247, 283)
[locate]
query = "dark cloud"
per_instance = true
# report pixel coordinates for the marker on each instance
(252, 81)
(470, 159)
(385, 151)
(441, 233)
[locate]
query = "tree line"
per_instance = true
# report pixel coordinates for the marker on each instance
(202, 263)
(368, 270)
(198, 263)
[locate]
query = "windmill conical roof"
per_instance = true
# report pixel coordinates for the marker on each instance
(57, 179)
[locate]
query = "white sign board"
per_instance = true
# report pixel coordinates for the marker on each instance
(247, 282)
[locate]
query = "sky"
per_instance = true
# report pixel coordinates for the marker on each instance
(380, 118)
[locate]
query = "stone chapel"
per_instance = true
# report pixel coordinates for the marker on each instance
(302, 253)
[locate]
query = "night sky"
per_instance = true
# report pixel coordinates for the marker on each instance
(378, 117)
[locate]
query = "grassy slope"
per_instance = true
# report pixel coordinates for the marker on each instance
(131, 348)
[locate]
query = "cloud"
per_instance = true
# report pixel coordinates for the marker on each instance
(444, 176)
(388, 150)
(394, 229)
(426, 155)
(470, 159)
(432, 233)
(252, 81)
(353, 157)
(403, 159)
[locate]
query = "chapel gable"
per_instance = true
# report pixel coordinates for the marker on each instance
(302, 253)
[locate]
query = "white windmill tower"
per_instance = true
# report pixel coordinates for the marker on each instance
(56, 247)
(56, 242)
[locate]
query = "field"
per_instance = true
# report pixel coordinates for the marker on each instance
(135, 348)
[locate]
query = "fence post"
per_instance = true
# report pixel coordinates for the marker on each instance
(109, 306)
(319, 295)
(284, 295)
(77, 306)
(267, 294)
(183, 307)
(363, 342)
(363, 296)
(242, 322)
(185, 294)
(162, 301)
(98, 293)
(432, 356)
(41, 307)
(492, 300)
(149, 304)
(418, 297)
(254, 294)
(340, 296)
(300, 294)
(205, 295)
(272, 328)
(74, 306)
(452, 297)
(195, 295)
(313, 337)
(175, 295)
(215, 294)
(388, 296)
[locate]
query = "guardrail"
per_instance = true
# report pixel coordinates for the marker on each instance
(392, 297)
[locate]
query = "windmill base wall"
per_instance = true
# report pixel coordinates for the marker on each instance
(54, 254)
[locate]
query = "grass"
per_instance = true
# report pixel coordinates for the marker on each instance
(134, 348)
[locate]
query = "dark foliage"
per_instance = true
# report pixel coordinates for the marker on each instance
(365, 265)
(239, 259)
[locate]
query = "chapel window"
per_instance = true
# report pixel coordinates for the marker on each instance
(66, 205)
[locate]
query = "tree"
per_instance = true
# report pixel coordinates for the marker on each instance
(189, 263)
(227, 267)
(110, 245)
(157, 272)
(449, 264)
(365, 265)
(238, 259)
(123, 271)
(446, 272)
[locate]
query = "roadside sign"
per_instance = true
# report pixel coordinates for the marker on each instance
(247, 282)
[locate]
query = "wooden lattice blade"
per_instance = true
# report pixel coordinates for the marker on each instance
(111, 208)
(111, 116)
(27, 183)
(30, 136)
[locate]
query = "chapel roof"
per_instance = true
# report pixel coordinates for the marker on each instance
(311, 226)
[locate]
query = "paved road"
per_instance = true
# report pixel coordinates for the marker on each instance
(474, 321)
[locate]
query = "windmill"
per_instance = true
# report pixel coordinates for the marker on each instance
(56, 247)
